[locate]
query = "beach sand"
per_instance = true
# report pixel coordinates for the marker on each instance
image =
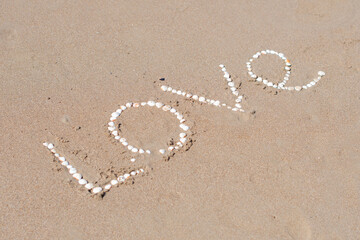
(287, 168)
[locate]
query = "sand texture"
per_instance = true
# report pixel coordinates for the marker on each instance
(288, 168)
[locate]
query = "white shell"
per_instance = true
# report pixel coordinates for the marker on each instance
(115, 114)
(82, 181)
(96, 190)
(182, 135)
(134, 150)
(50, 146)
(121, 178)
(114, 182)
(72, 170)
(151, 103)
(321, 73)
(159, 104)
(77, 176)
(162, 151)
(89, 186)
(166, 108)
(107, 187)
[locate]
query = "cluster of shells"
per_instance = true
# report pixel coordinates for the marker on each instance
(82, 181)
(159, 105)
(184, 128)
(213, 102)
(287, 68)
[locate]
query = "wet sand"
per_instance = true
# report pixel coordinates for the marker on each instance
(288, 168)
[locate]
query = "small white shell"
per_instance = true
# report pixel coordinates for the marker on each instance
(115, 114)
(182, 135)
(82, 181)
(56, 155)
(184, 127)
(107, 187)
(321, 73)
(62, 159)
(96, 190)
(77, 176)
(72, 170)
(114, 182)
(162, 151)
(151, 103)
(141, 150)
(133, 160)
(126, 175)
(134, 150)
(164, 88)
(89, 186)
(159, 104)
(297, 88)
(166, 108)
(65, 163)
(133, 173)
(50, 146)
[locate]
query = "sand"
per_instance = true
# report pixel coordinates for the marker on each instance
(288, 168)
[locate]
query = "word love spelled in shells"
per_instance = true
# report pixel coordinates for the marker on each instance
(185, 130)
